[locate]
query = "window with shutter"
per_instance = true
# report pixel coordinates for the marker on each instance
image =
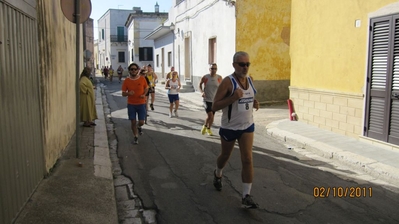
(120, 34)
(382, 121)
(121, 56)
(145, 54)
(393, 136)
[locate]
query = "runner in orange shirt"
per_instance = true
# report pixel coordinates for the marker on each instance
(135, 87)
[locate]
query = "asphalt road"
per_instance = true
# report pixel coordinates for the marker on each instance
(172, 171)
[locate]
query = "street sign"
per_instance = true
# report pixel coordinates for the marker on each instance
(68, 8)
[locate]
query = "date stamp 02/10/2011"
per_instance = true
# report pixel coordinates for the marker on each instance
(342, 192)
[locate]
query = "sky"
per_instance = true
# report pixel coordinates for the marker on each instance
(99, 7)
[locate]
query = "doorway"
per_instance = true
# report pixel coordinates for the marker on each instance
(187, 58)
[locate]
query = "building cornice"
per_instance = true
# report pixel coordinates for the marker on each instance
(158, 32)
(133, 16)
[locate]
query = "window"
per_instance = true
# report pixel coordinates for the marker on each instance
(145, 54)
(212, 51)
(121, 33)
(169, 59)
(102, 34)
(157, 60)
(121, 56)
(132, 55)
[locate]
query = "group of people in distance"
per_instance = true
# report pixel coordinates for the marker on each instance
(108, 72)
(234, 95)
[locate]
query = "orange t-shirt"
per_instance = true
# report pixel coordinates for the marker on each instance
(138, 86)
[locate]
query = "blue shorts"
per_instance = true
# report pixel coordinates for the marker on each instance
(232, 135)
(173, 97)
(138, 109)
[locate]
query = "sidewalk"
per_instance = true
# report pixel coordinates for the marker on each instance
(379, 162)
(78, 190)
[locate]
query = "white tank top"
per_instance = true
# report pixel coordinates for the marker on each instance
(211, 86)
(173, 86)
(239, 116)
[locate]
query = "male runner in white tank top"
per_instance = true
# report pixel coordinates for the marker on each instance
(211, 83)
(236, 98)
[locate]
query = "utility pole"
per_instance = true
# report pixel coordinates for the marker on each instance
(73, 14)
(77, 88)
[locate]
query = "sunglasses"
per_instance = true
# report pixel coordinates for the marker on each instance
(243, 64)
(133, 69)
(214, 69)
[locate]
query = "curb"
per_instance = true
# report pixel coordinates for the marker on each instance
(102, 161)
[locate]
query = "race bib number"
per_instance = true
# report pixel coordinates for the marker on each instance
(245, 104)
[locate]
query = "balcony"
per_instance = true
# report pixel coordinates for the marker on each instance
(118, 38)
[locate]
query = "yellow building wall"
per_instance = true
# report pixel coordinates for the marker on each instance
(57, 52)
(263, 30)
(329, 62)
(327, 51)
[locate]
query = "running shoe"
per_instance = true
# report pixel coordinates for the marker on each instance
(152, 106)
(248, 202)
(209, 131)
(176, 114)
(170, 114)
(140, 130)
(217, 181)
(135, 141)
(203, 130)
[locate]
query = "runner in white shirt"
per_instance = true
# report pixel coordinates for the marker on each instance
(211, 83)
(173, 85)
(236, 98)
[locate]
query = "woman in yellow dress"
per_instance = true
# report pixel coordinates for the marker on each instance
(88, 112)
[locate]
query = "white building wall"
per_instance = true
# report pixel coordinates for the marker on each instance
(146, 27)
(137, 30)
(164, 43)
(130, 39)
(103, 23)
(112, 19)
(199, 21)
(95, 55)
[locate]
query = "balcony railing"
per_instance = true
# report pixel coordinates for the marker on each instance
(118, 38)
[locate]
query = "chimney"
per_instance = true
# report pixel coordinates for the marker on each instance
(157, 8)
(137, 10)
